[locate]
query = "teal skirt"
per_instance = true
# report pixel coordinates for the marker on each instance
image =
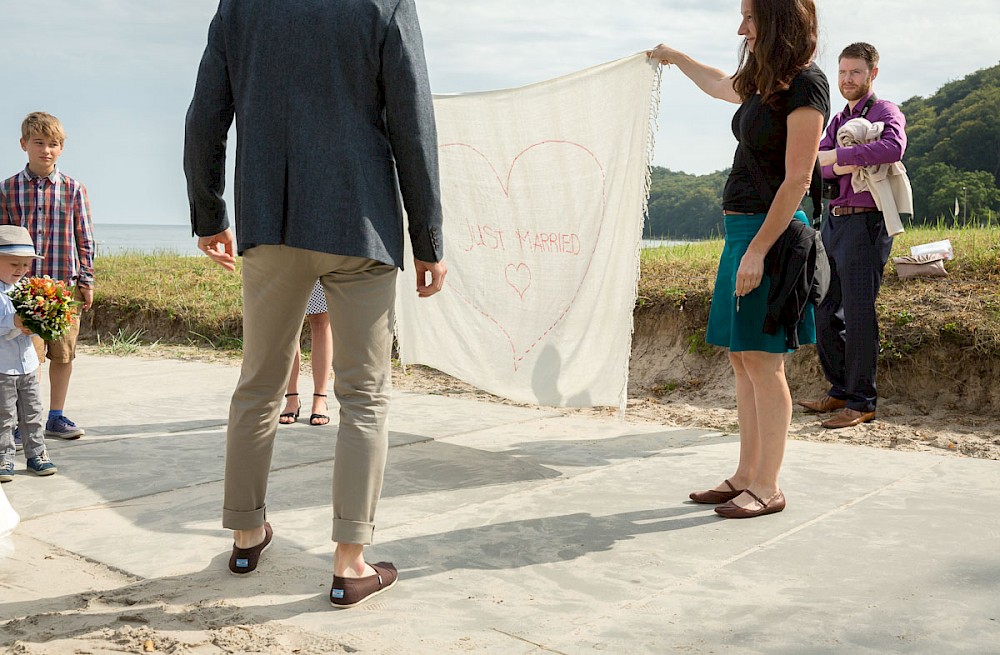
(738, 323)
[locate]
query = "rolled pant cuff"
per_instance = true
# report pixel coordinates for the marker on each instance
(235, 520)
(353, 532)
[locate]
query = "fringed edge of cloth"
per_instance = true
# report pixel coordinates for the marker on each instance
(652, 127)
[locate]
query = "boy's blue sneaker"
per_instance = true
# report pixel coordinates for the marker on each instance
(63, 428)
(6, 470)
(42, 465)
(18, 444)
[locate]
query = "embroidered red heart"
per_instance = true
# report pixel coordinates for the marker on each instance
(519, 277)
(521, 245)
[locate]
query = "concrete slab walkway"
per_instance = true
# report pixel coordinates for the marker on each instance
(516, 530)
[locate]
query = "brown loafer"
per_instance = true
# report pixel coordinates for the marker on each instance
(848, 418)
(824, 405)
(244, 560)
(348, 592)
(713, 497)
(774, 504)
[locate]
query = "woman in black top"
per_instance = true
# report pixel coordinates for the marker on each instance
(784, 103)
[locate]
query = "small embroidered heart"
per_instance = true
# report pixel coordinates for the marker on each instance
(518, 277)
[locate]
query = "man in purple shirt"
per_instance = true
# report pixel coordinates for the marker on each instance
(857, 244)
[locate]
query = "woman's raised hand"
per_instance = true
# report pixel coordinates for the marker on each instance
(664, 53)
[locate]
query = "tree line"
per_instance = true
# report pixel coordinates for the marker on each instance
(952, 154)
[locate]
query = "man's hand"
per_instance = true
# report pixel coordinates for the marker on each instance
(844, 170)
(827, 157)
(88, 297)
(437, 270)
(219, 248)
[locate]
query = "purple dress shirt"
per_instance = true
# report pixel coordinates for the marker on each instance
(887, 150)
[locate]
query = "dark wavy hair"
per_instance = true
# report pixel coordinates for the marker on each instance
(787, 36)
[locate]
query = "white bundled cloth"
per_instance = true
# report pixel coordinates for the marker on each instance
(888, 183)
(544, 190)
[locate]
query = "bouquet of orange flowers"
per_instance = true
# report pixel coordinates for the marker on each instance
(46, 306)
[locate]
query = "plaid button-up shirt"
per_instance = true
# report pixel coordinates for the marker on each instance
(56, 212)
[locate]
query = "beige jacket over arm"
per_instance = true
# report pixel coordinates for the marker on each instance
(888, 183)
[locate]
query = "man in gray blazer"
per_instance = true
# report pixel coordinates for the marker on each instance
(334, 128)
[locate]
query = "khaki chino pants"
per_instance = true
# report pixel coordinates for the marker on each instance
(277, 282)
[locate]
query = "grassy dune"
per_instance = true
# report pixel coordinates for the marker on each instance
(168, 298)
(962, 309)
(189, 300)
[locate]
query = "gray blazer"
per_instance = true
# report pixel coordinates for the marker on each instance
(334, 123)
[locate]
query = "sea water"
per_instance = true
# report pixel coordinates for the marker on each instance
(117, 239)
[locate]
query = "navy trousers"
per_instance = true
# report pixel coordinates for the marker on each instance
(846, 325)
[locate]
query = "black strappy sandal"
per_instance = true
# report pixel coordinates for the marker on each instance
(292, 415)
(319, 417)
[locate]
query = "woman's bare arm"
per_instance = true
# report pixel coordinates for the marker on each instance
(710, 80)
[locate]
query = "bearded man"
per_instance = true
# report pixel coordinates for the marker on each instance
(857, 244)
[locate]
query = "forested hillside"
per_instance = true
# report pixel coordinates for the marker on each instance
(953, 154)
(683, 206)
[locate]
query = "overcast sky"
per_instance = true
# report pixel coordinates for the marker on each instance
(119, 73)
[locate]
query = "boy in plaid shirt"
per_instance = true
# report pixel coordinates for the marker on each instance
(55, 210)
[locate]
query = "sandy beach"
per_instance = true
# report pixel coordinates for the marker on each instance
(518, 529)
(711, 403)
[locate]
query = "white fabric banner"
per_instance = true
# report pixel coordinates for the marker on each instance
(8, 521)
(544, 190)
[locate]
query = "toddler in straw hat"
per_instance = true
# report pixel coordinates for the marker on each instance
(20, 399)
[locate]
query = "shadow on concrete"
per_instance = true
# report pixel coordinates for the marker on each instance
(436, 466)
(516, 544)
(601, 452)
(171, 427)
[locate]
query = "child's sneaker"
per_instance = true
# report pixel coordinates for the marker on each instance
(63, 428)
(42, 465)
(6, 470)
(18, 444)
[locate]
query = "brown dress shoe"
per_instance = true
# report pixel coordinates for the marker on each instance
(826, 404)
(713, 497)
(848, 418)
(773, 505)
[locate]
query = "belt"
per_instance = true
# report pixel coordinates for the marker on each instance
(847, 211)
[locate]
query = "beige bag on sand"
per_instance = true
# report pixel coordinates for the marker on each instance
(928, 265)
